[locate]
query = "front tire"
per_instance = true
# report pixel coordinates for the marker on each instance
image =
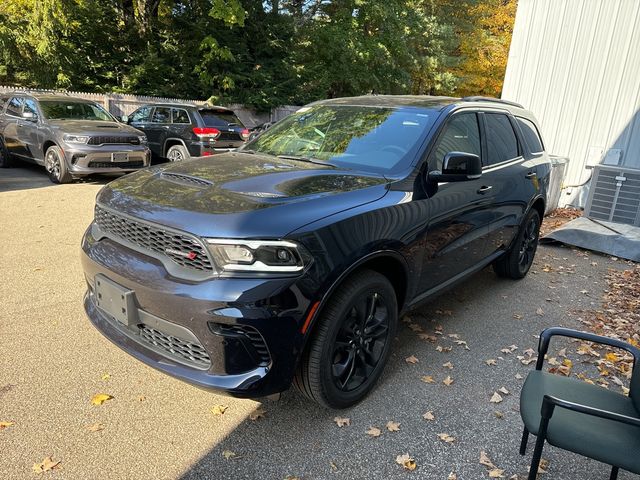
(351, 343)
(177, 153)
(56, 166)
(517, 261)
(6, 160)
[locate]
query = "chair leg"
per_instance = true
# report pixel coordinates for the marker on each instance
(523, 443)
(614, 473)
(537, 455)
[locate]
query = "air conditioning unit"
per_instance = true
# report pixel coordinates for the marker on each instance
(614, 195)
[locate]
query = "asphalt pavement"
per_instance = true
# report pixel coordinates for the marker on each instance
(52, 362)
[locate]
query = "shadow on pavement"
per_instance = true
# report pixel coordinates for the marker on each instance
(26, 176)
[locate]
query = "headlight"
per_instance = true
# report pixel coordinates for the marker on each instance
(270, 256)
(143, 139)
(76, 138)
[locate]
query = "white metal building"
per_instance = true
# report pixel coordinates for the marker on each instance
(576, 65)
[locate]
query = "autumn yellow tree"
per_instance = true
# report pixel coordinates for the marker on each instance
(484, 48)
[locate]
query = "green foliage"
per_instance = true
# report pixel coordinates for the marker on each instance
(260, 53)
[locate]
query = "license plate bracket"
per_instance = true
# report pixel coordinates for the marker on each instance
(116, 301)
(120, 157)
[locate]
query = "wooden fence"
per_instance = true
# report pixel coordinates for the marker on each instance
(119, 104)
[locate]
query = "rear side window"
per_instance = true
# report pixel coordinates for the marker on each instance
(30, 106)
(461, 134)
(531, 135)
(220, 118)
(180, 115)
(15, 106)
(161, 115)
(141, 115)
(502, 144)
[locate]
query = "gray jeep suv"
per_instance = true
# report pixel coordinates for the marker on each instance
(71, 137)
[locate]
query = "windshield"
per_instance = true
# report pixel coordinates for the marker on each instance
(70, 110)
(378, 139)
(220, 118)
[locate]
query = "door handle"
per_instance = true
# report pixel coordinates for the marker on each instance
(531, 175)
(484, 189)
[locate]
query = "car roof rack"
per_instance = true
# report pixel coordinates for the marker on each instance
(491, 99)
(38, 91)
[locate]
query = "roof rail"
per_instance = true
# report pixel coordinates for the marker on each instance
(491, 99)
(37, 91)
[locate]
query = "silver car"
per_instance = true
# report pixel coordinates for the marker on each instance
(71, 137)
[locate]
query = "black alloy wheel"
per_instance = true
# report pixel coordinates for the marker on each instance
(350, 341)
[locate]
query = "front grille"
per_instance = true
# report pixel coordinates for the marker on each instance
(251, 334)
(186, 179)
(130, 164)
(114, 139)
(181, 248)
(193, 353)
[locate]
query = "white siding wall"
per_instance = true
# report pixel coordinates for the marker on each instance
(576, 65)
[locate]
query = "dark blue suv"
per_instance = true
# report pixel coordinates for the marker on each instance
(291, 259)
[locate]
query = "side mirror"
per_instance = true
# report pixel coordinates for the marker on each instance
(458, 167)
(124, 119)
(32, 117)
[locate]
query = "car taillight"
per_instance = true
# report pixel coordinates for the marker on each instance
(245, 133)
(206, 132)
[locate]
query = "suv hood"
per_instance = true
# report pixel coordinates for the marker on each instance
(84, 127)
(240, 195)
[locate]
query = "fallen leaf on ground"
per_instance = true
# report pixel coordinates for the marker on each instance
(540, 312)
(452, 476)
(415, 327)
(496, 473)
(141, 398)
(519, 377)
(491, 361)
(219, 409)
(448, 365)
(406, 461)
(517, 316)
(428, 416)
(445, 437)
(426, 336)
(411, 359)
(47, 464)
(96, 427)
(4, 425)
(485, 460)
(427, 379)
(342, 421)
(496, 398)
(448, 381)
(393, 426)
(503, 390)
(374, 432)
(257, 414)
(100, 398)
(228, 454)
(498, 414)
(105, 376)
(443, 349)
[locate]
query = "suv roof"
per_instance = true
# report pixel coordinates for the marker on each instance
(47, 96)
(425, 101)
(188, 105)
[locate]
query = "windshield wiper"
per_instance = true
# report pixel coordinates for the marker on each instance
(301, 158)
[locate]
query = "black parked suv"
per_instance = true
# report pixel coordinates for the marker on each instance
(291, 259)
(71, 137)
(177, 132)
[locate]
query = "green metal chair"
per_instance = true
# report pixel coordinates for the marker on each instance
(580, 417)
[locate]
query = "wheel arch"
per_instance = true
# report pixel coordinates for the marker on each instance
(170, 142)
(388, 263)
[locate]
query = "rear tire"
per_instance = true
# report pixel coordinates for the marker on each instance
(6, 160)
(516, 262)
(56, 165)
(177, 153)
(343, 360)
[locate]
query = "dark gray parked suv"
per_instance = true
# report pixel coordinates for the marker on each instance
(71, 137)
(177, 132)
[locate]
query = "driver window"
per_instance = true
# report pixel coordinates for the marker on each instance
(461, 134)
(30, 106)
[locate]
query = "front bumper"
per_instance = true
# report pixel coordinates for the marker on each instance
(235, 321)
(85, 160)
